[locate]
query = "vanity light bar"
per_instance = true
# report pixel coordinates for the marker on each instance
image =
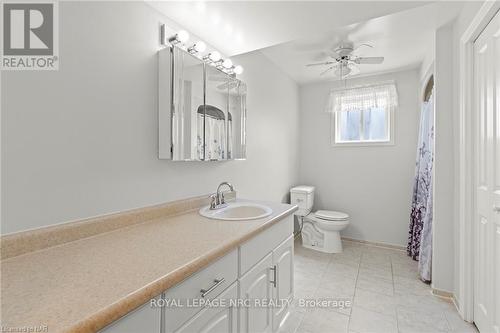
(213, 58)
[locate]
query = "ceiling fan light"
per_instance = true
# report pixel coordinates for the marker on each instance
(342, 71)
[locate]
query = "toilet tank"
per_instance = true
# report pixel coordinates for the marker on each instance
(302, 196)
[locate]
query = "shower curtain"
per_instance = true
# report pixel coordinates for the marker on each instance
(215, 138)
(420, 235)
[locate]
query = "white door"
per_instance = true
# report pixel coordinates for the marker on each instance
(216, 319)
(283, 288)
(255, 286)
(487, 221)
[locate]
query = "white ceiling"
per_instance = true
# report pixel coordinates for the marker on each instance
(236, 27)
(404, 39)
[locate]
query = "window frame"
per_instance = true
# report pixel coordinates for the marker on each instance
(335, 133)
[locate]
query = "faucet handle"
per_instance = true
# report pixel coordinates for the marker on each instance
(213, 201)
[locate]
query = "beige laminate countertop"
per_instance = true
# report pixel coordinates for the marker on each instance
(82, 286)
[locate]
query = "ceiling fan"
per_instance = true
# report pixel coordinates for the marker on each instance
(344, 62)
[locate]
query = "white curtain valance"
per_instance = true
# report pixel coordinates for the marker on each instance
(382, 95)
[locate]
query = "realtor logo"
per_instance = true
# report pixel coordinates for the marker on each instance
(30, 36)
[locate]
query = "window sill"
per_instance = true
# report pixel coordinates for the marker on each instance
(363, 144)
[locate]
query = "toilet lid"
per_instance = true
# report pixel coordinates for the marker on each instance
(331, 215)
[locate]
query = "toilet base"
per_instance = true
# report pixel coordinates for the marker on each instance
(320, 240)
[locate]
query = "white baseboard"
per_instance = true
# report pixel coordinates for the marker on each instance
(377, 244)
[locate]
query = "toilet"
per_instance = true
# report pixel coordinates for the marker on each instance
(321, 229)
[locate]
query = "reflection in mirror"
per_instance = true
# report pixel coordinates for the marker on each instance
(202, 110)
(216, 114)
(187, 99)
(211, 122)
(237, 114)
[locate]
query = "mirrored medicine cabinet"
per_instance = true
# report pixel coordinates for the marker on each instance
(202, 110)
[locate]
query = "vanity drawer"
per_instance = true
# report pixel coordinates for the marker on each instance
(259, 246)
(213, 280)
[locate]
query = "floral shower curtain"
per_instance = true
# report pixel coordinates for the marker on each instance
(420, 235)
(215, 137)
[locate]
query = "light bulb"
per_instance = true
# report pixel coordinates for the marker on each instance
(214, 56)
(227, 63)
(182, 36)
(238, 69)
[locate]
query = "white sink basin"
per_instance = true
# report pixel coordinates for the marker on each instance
(237, 211)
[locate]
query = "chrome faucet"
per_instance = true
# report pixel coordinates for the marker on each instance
(217, 199)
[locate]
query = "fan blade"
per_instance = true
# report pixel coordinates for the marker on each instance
(369, 60)
(326, 71)
(361, 45)
(321, 63)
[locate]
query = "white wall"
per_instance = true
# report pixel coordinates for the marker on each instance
(446, 205)
(442, 259)
(82, 141)
(372, 184)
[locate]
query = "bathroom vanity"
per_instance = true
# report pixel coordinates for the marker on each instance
(259, 269)
(101, 274)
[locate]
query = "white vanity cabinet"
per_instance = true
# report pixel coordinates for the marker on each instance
(265, 275)
(238, 285)
(222, 318)
(257, 286)
(283, 291)
(145, 319)
(272, 280)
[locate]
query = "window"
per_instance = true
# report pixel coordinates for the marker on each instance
(363, 115)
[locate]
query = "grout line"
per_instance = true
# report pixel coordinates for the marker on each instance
(394, 292)
(355, 288)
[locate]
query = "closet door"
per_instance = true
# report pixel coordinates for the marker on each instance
(487, 220)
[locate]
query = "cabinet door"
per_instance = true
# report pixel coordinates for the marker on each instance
(255, 286)
(216, 319)
(145, 319)
(283, 289)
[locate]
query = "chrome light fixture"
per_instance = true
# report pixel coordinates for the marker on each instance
(234, 70)
(181, 37)
(212, 57)
(198, 47)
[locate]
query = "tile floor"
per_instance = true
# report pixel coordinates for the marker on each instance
(382, 285)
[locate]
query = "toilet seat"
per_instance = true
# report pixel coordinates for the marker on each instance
(331, 215)
(321, 234)
(326, 223)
